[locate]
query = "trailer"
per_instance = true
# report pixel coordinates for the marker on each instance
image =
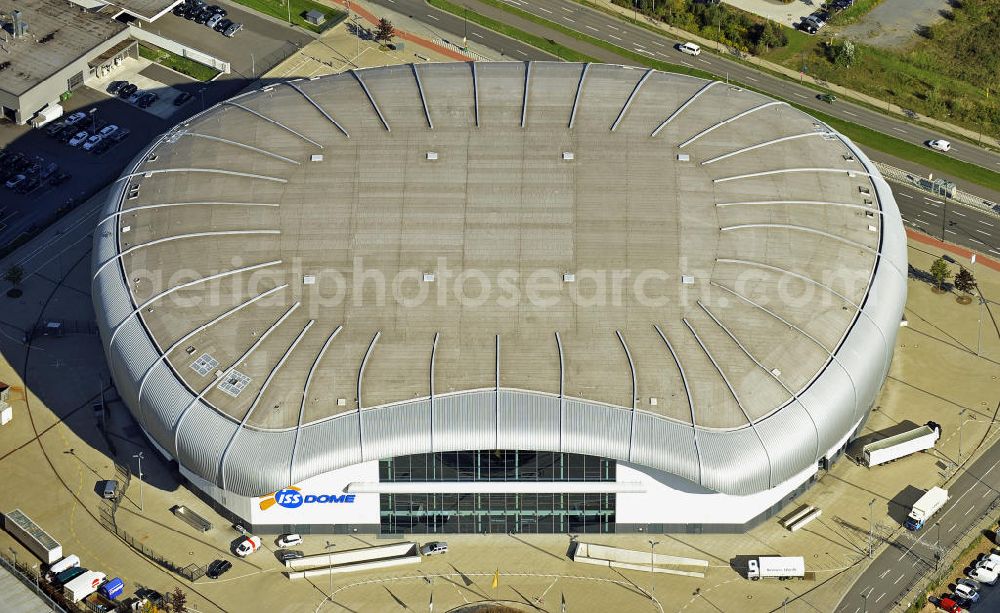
(901, 445)
(66, 563)
(929, 504)
(84, 585)
(32, 536)
(46, 115)
(773, 567)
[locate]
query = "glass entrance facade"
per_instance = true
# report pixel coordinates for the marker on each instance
(497, 512)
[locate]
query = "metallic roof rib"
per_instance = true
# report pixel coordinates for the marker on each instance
(271, 121)
(202, 328)
(371, 99)
(246, 354)
(725, 121)
(161, 205)
(434, 347)
(423, 99)
(768, 143)
(221, 171)
(178, 237)
(524, 100)
(364, 362)
(576, 99)
(687, 393)
(257, 398)
(806, 202)
(318, 107)
(167, 292)
(782, 171)
(496, 394)
(631, 367)
(562, 389)
(739, 403)
(305, 396)
(240, 145)
(475, 90)
(631, 97)
(681, 108)
(833, 356)
(768, 371)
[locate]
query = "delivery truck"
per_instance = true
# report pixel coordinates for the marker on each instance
(929, 504)
(773, 567)
(84, 585)
(900, 445)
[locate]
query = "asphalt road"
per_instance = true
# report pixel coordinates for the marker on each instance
(950, 222)
(616, 31)
(912, 553)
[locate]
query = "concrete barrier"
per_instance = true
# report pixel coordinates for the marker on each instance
(615, 557)
(182, 50)
(355, 556)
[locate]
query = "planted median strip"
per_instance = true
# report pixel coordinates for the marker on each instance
(952, 168)
(183, 65)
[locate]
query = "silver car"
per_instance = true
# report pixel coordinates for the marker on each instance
(434, 548)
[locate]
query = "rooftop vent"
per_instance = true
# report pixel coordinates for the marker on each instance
(316, 157)
(432, 155)
(568, 155)
(683, 157)
(687, 279)
(428, 277)
(569, 277)
(309, 280)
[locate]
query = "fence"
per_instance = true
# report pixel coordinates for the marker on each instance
(58, 328)
(182, 50)
(903, 177)
(32, 581)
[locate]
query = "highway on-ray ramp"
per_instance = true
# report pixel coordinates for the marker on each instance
(640, 40)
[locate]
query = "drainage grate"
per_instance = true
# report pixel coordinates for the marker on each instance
(235, 383)
(204, 365)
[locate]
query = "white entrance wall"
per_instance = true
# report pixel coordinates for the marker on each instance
(669, 499)
(323, 500)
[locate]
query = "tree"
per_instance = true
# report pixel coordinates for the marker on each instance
(178, 601)
(384, 31)
(14, 275)
(940, 272)
(965, 282)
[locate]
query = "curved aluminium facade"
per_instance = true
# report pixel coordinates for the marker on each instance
(596, 259)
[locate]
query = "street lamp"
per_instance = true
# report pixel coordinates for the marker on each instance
(937, 547)
(652, 544)
(960, 427)
(139, 457)
(865, 596)
(871, 529)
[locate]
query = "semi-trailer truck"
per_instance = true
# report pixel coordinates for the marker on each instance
(776, 568)
(929, 504)
(900, 445)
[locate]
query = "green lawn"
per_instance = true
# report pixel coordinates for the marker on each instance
(294, 10)
(950, 167)
(182, 65)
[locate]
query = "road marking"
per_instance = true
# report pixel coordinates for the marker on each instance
(933, 203)
(849, 113)
(569, 20)
(749, 78)
(686, 64)
(906, 195)
(522, 53)
(590, 27)
(658, 44)
(614, 37)
(998, 253)
(900, 578)
(477, 34)
(977, 241)
(644, 52)
(887, 571)
(988, 492)
(879, 598)
(920, 220)
(613, 28)
(899, 129)
(985, 223)
(544, 10)
(931, 213)
(433, 17)
(983, 232)
(800, 95)
(951, 232)
(959, 213)
(969, 511)
(568, 10)
(952, 527)
(704, 61)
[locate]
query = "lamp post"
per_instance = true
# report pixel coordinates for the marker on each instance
(960, 427)
(937, 547)
(871, 529)
(139, 457)
(865, 596)
(652, 544)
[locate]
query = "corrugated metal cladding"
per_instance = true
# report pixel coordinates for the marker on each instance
(465, 421)
(734, 461)
(652, 439)
(528, 421)
(258, 460)
(400, 429)
(327, 445)
(596, 429)
(203, 436)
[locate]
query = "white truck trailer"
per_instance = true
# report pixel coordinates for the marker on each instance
(32, 536)
(929, 504)
(84, 585)
(900, 445)
(776, 568)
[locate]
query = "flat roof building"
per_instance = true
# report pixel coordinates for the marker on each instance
(500, 297)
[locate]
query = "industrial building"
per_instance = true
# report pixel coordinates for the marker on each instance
(500, 297)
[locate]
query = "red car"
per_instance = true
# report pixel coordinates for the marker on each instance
(949, 605)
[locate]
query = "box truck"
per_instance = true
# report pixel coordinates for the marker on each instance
(112, 588)
(776, 568)
(84, 585)
(900, 445)
(929, 504)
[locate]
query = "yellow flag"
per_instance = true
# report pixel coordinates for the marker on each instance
(496, 579)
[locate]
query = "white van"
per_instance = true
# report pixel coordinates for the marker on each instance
(689, 48)
(70, 561)
(247, 545)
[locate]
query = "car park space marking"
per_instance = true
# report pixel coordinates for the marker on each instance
(590, 27)
(933, 200)
(920, 220)
(849, 113)
(568, 20)
(959, 213)
(931, 213)
(982, 232)
(477, 34)
(951, 232)
(969, 511)
(614, 37)
(749, 78)
(899, 129)
(985, 222)
(898, 579)
(880, 598)
(522, 53)
(544, 10)
(906, 195)
(800, 95)
(433, 17)
(887, 571)
(952, 527)
(704, 61)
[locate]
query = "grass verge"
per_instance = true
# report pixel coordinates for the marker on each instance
(182, 65)
(950, 167)
(294, 10)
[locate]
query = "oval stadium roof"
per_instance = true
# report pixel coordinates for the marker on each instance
(599, 259)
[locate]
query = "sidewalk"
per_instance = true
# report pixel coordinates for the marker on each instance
(788, 72)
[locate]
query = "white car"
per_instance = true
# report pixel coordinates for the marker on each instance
(988, 565)
(940, 145)
(247, 545)
(966, 592)
(689, 48)
(108, 130)
(14, 181)
(91, 142)
(983, 576)
(289, 540)
(434, 548)
(78, 138)
(74, 119)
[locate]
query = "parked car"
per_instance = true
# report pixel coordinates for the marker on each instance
(75, 118)
(91, 142)
(28, 184)
(120, 135)
(949, 605)
(434, 548)
(182, 98)
(247, 545)
(108, 130)
(127, 90)
(289, 554)
(214, 19)
(48, 171)
(218, 568)
(146, 100)
(215, 9)
(115, 86)
(982, 576)
(233, 29)
(289, 540)
(939, 144)
(689, 48)
(78, 138)
(54, 127)
(203, 16)
(60, 178)
(223, 25)
(179, 10)
(967, 592)
(14, 181)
